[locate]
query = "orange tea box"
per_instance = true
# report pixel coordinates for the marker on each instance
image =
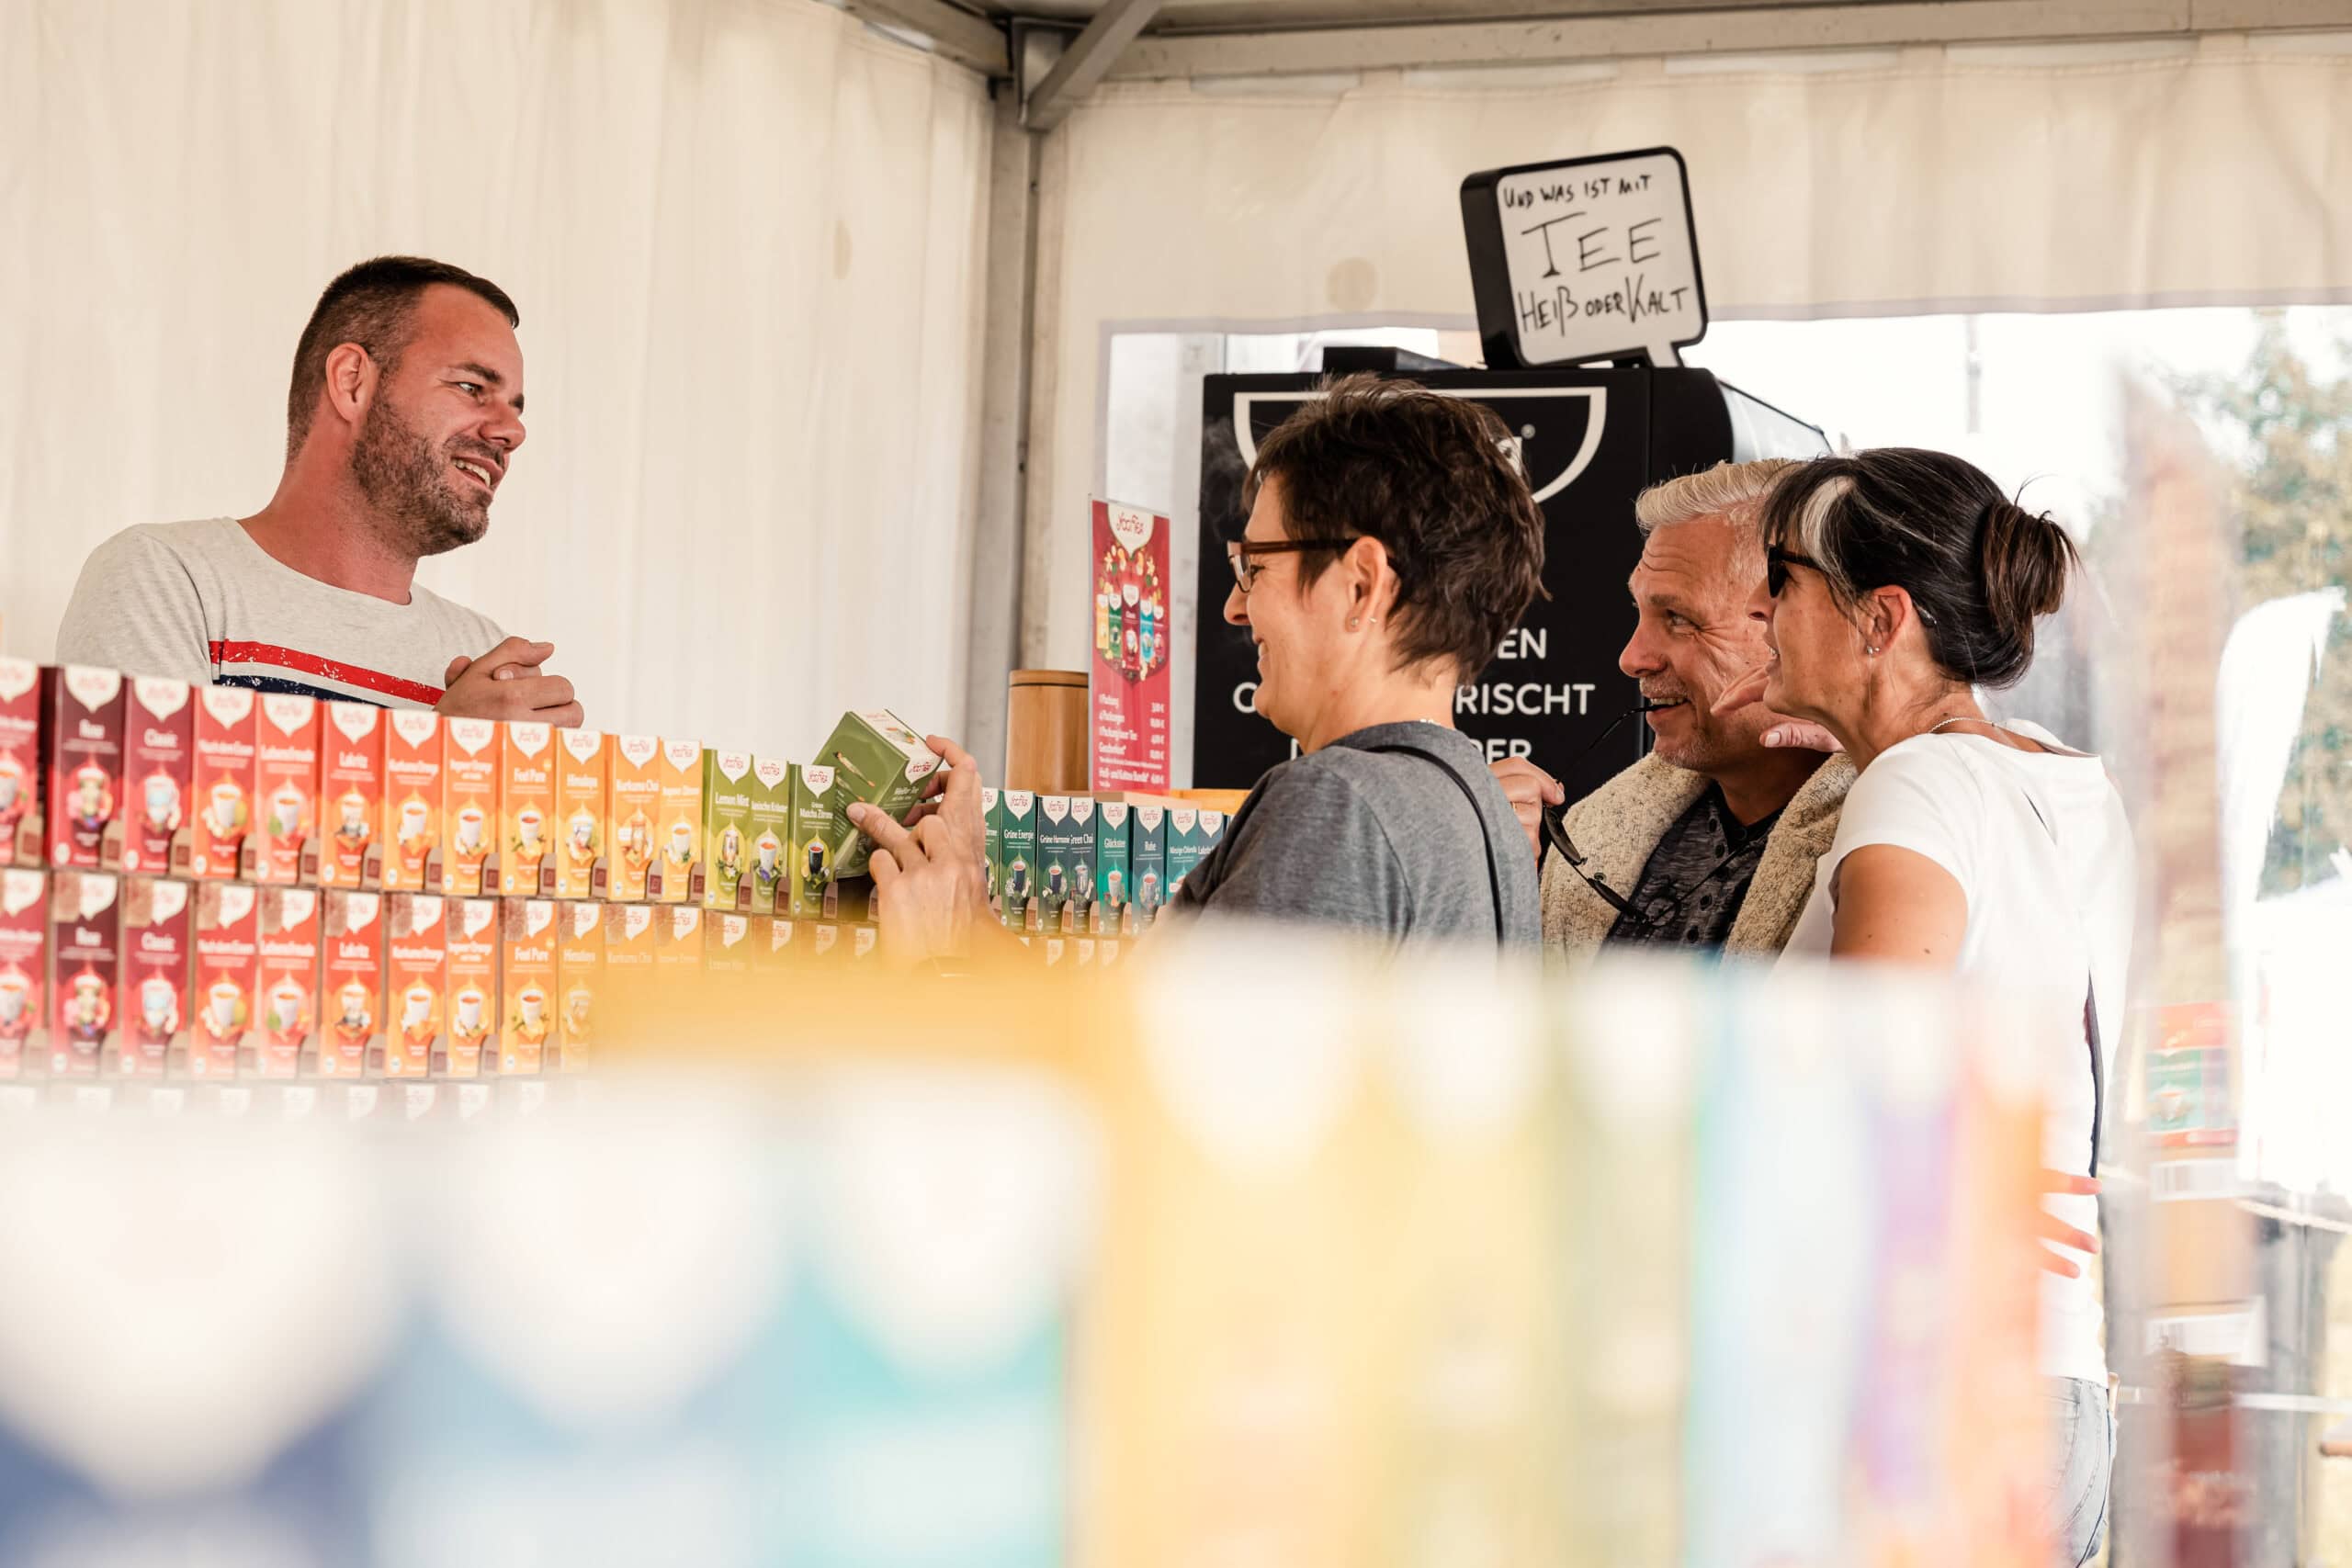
(84, 966)
(726, 944)
(473, 984)
(772, 943)
(286, 784)
(677, 944)
(228, 964)
(578, 968)
(158, 761)
(412, 792)
(582, 787)
(636, 810)
(527, 978)
(221, 802)
(526, 766)
(289, 987)
(469, 804)
(630, 940)
(416, 981)
(678, 837)
(157, 924)
(19, 746)
(351, 981)
(351, 790)
(80, 740)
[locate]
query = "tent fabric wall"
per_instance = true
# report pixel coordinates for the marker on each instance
(746, 238)
(1931, 181)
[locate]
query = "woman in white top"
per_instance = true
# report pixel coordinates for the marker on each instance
(1899, 581)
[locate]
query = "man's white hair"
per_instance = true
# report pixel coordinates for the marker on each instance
(1732, 491)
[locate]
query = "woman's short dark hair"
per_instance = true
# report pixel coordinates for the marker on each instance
(1430, 477)
(1979, 568)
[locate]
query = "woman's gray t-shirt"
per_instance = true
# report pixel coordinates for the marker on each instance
(1378, 840)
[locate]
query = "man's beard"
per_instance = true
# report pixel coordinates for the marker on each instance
(411, 486)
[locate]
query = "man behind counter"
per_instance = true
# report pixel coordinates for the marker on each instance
(404, 413)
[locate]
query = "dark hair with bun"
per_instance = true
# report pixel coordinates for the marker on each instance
(1979, 568)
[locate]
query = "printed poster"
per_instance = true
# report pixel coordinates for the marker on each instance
(1128, 681)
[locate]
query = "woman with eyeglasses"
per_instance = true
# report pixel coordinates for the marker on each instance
(1898, 583)
(1390, 547)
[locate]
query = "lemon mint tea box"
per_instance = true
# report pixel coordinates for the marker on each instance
(878, 760)
(158, 763)
(726, 826)
(1017, 809)
(769, 823)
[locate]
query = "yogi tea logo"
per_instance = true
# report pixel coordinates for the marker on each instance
(1131, 528)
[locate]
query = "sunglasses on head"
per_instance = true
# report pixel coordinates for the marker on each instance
(1776, 562)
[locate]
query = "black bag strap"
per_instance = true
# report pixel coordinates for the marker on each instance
(1494, 874)
(2090, 1003)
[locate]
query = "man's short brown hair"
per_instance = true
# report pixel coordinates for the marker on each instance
(373, 305)
(1432, 478)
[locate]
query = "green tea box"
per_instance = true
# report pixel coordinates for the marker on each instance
(876, 760)
(992, 830)
(1191, 835)
(725, 824)
(1148, 856)
(1018, 809)
(808, 854)
(770, 830)
(1065, 863)
(1111, 859)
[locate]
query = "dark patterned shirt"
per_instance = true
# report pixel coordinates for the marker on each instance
(1696, 879)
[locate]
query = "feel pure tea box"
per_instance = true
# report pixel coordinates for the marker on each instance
(527, 979)
(526, 763)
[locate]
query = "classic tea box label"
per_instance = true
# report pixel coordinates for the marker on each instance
(469, 793)
(84, 969)
(582, 800)
(289, 982)
(228, 977)
(286, 784)
(158, 931)
(351, 789)
(771, 830)
(678, 835)
(416, 981)
(636, 812)
(158, 765)
(1020, 881)
(527, 819)
(351, 982)
(472, 1017)
(82, 733)
(726, 826)
(877, 760)
(20, 745)
(579, 971)
(811, 867)
(414, 797)
(529, 983)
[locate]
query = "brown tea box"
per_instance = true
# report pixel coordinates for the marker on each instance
(81, 736)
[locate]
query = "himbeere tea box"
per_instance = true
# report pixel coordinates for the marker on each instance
(1019, 883)
(528, 982)
(579, 971)
(158, 768)
(1147, 858)
(351, 790)
(84, 969)
(726, 826)
(289, 982)
(811, 869)
(220, 800)
(1111, 855)
(227, 978)
(351, 982)
(583, 783)
(416, 982)
(158, 953)
(81, 768)
(528, 810)
(23, 971)
(770, 830)
(286, 786)
(992, 841)
(879, 761)
(636, 813)
(20, 747)
(678, 835)
(413, 795)
(471, 1019)
(469, 804)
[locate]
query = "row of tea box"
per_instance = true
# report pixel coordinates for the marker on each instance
(147, 977)
(150, 776)
(1073, 852)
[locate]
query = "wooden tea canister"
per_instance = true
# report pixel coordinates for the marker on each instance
(1045, 736)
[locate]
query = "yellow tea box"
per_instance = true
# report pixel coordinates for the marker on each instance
(635, 810)
(579, 969)
(469, 803)
(678, 943)
(416, 961)
(811, 868)
(584, 781)
(526, 759)
(413, 746)
(473, 984)
(351, 985)
(878, 760)
(630, 940)
(726, 826)
(771, 830)
(678, 840)
(527, 980)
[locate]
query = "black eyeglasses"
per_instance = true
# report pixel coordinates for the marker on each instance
(1776, 562)
(1239, 554)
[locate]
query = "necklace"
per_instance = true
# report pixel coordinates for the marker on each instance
(1961, 718)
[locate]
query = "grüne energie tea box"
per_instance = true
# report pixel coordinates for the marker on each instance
(1018, 885)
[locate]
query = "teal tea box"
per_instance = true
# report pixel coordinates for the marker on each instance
(1190, 836)
(879, 761)
(1018, 885)
(1064, 853)
(1111, 853)
(1148, 856)
(992, 830)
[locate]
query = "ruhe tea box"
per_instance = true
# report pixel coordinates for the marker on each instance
(810, 872)
(470, 758)
(351, 791)
(678, 836)
(24, 970)
(579, 970)
(770, 826)
(158, 766)
(286, 784)
(228, 977)
(472, 1017)
(582, 794)
(528, 984)
(416, 982)
(221, 797)
(1018, 808)
(85, 970)
(20, 748)
(288, 982)
(726, 826)
(527, 815)
(879, 761)
(414, 748)
(636, 812)
(351, 982)
(158, 955)
(82, 763)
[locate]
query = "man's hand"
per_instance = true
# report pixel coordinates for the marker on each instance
(2057, 1232)
(506, 683)
(1786, 734)
(931, 889)
(1529, 789)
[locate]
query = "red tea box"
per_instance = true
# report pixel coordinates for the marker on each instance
(24, 970)
(228, 977)
(289, 987)
(351, 981)
(416, 981)
(158, 770)
(81, 766)
(412, 797)
(351, 790)
(221, 801)
(84, 969)
(472, 1017)
(286, 786)
(469, 804)
(20, 747)
(158, 957)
